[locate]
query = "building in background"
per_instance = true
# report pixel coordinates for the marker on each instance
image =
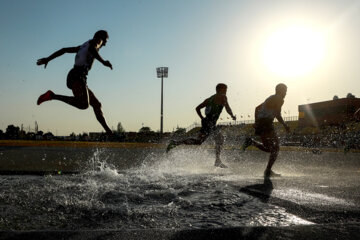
(328, 113)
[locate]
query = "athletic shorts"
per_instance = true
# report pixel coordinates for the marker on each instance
(208, 126)
(76, 74)
(263, 126)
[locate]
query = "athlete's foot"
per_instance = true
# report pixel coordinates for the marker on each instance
(170, 146)
(220, 165)
(246, 144)
(269, 173)
(45, 97)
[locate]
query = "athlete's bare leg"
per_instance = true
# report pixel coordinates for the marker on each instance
(219, 141)
(95, 103)
(260, 146)
(271, 142)
(79, 100)
(192, 141)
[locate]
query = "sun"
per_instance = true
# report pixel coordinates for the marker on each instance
(293, 51)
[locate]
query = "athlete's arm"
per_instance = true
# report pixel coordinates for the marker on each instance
(99, 58)
(201, 106)
(278, 116)
(56, 54)
(228, 109)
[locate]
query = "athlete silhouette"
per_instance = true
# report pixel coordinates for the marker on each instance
(265, 114)
(76, 79)
(213, 108)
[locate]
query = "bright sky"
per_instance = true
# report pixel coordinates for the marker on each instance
(312, 46)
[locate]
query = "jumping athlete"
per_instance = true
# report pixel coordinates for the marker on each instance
(264, 127)
(76, 79)
(213, 108)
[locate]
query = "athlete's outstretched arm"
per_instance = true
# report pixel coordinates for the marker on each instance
(281, 120)
(99, 58)
(56, 54)
(201, 106)
(228, 109)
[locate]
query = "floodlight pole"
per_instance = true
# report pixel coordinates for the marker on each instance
(161, 73)
(162, 112)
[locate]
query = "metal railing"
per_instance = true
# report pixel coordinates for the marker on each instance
(244, 122)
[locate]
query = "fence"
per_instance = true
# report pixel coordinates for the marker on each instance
(234, 123)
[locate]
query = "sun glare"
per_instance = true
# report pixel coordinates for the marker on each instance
(293, 51)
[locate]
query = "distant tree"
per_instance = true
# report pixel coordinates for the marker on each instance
(12, 132)
(350, 95)
(30, 136)
(83, 137)
(180, 131)
(72, 136)
(1, 134)
(48, 136)
(145, 130)
(22, 134)
(335, 97)
(120, 128)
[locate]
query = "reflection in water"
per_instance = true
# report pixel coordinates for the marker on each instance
(262, 191)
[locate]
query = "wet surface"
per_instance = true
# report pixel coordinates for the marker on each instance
(182, 190)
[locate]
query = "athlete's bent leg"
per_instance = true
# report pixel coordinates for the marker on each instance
(79, 100)
(260, 146)
(94, 102)
(219, 141)
(272, 143)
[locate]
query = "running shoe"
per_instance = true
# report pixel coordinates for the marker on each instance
(270, 173)
(246, 144)
(220, 165)
(45, 97)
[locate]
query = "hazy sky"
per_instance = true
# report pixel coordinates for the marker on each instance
(312, 46)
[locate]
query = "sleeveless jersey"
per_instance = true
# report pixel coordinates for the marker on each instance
(83, 57)
(213, 110)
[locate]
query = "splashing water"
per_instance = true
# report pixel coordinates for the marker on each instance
(179, 190)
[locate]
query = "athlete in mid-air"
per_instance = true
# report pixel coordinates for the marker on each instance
(213, 108)
(76, 79)
(265, 114)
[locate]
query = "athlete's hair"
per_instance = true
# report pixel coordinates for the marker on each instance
(280, 88)
(220, 86)
(101, 34)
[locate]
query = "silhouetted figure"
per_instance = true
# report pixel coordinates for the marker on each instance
(76, 79)
(213, 108)
(265, 114)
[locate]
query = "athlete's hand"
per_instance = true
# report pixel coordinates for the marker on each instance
(108, 64)
(42, 61)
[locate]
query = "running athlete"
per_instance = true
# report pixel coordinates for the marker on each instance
(264, 127)
(76, 79)
(213, 108)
